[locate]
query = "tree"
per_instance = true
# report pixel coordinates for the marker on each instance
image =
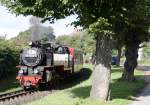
(134, 31)
(101, 85)
(63, 39)
(24, 37)
(102, 16)
(80, 40)
(8, 59)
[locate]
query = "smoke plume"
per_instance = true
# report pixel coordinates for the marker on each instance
(40, 32)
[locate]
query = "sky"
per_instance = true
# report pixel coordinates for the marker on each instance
(11, 25)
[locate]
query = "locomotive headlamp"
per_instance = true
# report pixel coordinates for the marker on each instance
(30, 43)
(23, 69)
(20, 71)
(36, 71)
(40, 68)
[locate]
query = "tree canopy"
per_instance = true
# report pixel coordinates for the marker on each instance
(80, 40)
(120, 13)
(123, 15)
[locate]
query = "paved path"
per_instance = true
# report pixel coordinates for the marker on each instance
(144, 97)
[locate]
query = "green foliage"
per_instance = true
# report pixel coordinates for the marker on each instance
(9, 84)
(8, 59)
(21, 40)
(114, 52)
(39, 8)
(135, 28)
(24, 37)
(101, 26)
(81, 40)
(63, 39)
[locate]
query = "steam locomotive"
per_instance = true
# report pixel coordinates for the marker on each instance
(42, 63)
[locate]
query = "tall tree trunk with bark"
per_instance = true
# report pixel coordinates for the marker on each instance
(102, 72)
(130, 64)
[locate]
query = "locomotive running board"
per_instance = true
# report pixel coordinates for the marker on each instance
(32, 66)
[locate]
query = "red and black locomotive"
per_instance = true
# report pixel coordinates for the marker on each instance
(41, 63)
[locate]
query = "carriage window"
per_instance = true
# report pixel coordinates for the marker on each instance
(60, 50)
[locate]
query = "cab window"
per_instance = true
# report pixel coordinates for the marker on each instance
(60, 50)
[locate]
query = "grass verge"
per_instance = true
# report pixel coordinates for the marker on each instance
(122, 92)
(9, 84)
(144, 62)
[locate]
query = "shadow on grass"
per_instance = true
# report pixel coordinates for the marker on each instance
(119, 90)
(77, 78)
(8, 84)
(81, 92)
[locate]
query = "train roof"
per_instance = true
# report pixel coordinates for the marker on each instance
(55, 45)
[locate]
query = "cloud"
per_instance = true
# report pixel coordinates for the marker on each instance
(60, 25)
(11, 24)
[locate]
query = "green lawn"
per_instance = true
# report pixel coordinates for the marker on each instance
(145, 62)
(122, 92)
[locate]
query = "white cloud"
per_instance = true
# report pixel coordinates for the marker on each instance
(12, 25)
(60, 26)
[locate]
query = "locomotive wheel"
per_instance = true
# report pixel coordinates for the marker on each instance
(27, 88)
(24, 88)
(42, 86)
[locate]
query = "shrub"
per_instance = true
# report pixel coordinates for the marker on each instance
(8, 59)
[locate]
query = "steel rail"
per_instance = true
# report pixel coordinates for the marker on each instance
(12, 95)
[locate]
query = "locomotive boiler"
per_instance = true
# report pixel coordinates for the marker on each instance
(42, 63)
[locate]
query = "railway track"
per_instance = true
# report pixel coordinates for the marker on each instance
(22, 97)
(12, 95)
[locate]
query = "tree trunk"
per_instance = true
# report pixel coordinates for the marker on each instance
(130, 64)
(118, 56)
(101, 75)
